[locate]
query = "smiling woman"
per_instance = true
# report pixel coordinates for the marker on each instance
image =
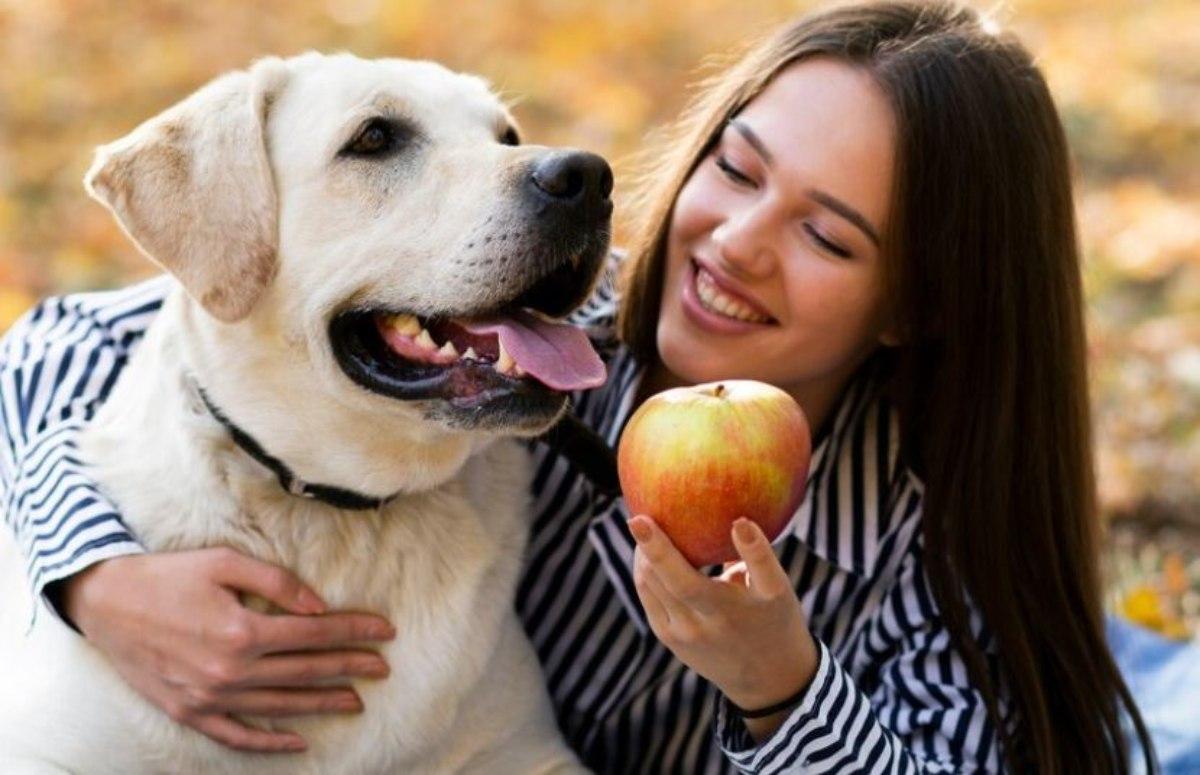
(883, 190)
(774, 238)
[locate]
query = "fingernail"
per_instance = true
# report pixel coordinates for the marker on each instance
(373, 668)
(296, 745)
(639, 528)
(745, 532)
(383, 632)
(350, 702)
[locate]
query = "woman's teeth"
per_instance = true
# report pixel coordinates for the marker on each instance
(713, 300)
(409, 327)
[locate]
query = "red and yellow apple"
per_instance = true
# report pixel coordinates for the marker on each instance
(697, 458)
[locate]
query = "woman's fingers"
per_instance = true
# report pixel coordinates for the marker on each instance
(274, 633)
(267, 580)
(734, 573)
(767, 577)
(677, 575)
(312, 669)
(278, 703)
(656, 600)
(235, 734)
(172, 626)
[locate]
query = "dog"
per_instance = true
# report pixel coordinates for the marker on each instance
(369, 275)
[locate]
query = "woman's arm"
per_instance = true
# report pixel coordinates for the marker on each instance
(924, 715)
(745, 633)
(171, 624)
(57, 365)
(174, 627)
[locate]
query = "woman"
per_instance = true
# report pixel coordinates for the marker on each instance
(871, 210)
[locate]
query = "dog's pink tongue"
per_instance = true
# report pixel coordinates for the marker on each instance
(556, 354)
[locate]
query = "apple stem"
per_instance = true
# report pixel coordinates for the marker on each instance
(719, 391)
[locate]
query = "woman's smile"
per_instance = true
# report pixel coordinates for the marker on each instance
(715, 308)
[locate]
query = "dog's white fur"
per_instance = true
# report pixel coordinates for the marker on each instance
(238, 191)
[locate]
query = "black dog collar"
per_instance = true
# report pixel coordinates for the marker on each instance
(334, 496)
(570, 438)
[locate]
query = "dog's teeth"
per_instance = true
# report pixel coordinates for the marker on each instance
(540, 315)
(504, 363)
(470, 355)
(406, 324)
(425, 340)
(449, 351)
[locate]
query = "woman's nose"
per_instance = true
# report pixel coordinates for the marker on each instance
(745, 240)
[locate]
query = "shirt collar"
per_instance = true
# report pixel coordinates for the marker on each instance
(845, 514)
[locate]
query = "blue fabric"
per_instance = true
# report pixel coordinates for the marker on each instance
(1164, 677)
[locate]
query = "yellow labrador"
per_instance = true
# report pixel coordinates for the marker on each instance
(370, 270)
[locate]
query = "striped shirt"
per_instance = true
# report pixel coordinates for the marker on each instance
(890, 692)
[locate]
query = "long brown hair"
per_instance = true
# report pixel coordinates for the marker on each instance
(990, 382)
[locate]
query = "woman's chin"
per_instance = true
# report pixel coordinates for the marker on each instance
(693, 360)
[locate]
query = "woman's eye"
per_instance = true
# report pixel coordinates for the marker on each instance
(733, 173)
(376, 139)
(826, 245)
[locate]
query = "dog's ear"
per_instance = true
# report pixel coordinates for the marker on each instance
(193, 188)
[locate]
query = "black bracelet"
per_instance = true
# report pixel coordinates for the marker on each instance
(771, 710)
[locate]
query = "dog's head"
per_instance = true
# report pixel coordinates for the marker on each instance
(380, 221)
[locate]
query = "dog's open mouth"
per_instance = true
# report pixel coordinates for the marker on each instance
(519, 344)
(507, 366)
(469, 355)
(516, 359)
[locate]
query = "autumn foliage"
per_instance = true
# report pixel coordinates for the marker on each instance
(601, 75)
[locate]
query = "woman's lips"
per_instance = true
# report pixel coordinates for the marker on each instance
(725, 286)
(705, 319)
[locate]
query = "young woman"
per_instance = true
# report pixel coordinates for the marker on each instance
(872, 210)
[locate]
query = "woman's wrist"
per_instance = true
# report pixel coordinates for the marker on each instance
(778, 703)
(767, 705)
(763, 721)
(74, 595)
(785, 685)
(762, 729)
(774, 708)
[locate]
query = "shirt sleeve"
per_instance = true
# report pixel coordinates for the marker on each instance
(922, 714)
(57, 365)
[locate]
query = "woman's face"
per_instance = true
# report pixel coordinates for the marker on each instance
(773, 265)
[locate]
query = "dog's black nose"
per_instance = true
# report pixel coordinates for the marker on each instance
(573, 178)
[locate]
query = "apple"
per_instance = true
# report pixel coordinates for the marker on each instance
(697, 458)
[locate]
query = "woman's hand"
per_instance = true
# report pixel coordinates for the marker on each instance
(174, 628)
(744, 631)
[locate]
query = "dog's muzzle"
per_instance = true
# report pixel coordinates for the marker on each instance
(511, 365)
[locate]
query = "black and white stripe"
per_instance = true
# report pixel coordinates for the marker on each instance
(890, 694)
(57, 364)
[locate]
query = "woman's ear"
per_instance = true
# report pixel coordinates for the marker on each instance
(193, 188)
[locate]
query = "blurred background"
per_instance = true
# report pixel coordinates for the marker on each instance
(76, 73)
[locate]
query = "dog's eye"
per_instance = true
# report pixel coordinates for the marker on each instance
(510, 137)
(376, 138)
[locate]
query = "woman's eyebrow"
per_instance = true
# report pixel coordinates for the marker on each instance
(844, 210)
(833, 203)
(755, 141)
